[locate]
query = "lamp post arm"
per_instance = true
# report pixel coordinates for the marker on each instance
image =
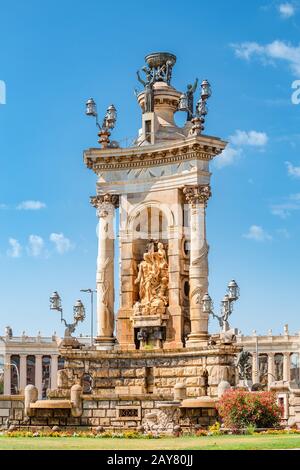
(219, 318)
(97, 122)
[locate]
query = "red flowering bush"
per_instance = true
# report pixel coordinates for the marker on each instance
(239, 409)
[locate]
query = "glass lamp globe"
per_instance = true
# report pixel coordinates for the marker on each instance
(233, 290)
(55, 301)
(111, 116)
(183, 103)
(205, 90)
(79, 311)
(206, 303)
(91, 108)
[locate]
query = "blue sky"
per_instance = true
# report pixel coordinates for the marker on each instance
(56, 54)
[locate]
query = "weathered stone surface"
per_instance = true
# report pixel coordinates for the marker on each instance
(147, 404)
(114, 373)
(5, 404)
(103, 404)
(89, 404)
(104, 421)
(99, 413)
(18, 414)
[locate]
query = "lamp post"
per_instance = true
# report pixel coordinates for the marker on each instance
(78, 313)
(233, 293)
(91, 292)
(108, 123)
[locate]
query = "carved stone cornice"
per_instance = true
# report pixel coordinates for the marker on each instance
(199, 148)
(199, 194)
(105, 203)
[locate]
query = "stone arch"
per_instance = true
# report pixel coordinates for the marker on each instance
(137, 210)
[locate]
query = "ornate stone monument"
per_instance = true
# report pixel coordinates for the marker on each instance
(154, 351)
(161, 185)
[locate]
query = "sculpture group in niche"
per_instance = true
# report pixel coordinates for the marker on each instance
(153, 282)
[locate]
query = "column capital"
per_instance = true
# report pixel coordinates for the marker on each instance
(104, 203)
(198, 194)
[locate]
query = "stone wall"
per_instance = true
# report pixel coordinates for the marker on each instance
(11, 410)
(130, 389)
(141, 372)
(115, 415)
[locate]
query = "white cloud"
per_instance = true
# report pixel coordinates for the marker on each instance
(286, 10)
(257, 233)
(269, 53)
(284, 209)
(3, 206)
(62, 243)
(293, 170)
(237, 141)
(15, 248)
(252, 138)
(35, 245)
(228, 157)
(31, 205)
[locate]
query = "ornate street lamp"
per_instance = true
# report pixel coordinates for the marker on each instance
(78, 313)
(226, 305)
(109, 121)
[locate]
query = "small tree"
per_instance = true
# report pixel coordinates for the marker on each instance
(239, 409)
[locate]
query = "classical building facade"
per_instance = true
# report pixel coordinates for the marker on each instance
(273, 357)
(29, 360)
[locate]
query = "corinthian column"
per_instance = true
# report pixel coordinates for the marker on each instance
(197, 197)
(105, 205)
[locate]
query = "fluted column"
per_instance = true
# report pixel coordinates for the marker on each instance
(38, 374)
(105, 206)
(255, 371)
(7, 375)
(197, 197)
(286, 366)
(54, 368)
(271, 368)
(23, 372)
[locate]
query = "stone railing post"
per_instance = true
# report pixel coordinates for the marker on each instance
(30, 396)
(76, 401)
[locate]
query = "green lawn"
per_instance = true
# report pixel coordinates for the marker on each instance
(167, 443)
